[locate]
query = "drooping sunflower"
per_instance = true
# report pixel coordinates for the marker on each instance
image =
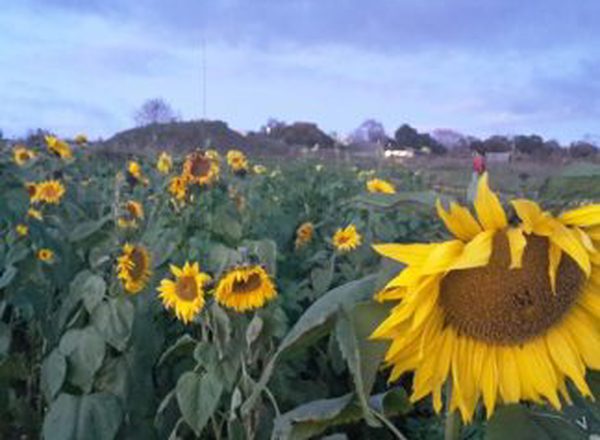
(244, 288)
(380, 186)
(81, 139)
(22, 155)
(178, 187)
(135, 173)
(237, 161)
(58, 147)
(134, 212)
(45, 255)
(200, 169)
(35, 213)
(304, 234)
(22, 230)
(504, 312)
(185, 295)
(48, 191)
(134, 267)
(346, 239)
(164, 163)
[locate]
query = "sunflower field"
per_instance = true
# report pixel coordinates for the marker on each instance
(218, 296)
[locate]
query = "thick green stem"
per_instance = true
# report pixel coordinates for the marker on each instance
(453, 423)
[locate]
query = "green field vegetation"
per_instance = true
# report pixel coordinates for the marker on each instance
(83, 358)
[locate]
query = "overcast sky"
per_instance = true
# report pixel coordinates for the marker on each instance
(480, 67)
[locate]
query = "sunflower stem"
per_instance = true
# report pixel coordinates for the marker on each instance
(452, 424)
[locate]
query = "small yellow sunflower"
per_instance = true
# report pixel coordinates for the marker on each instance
(304, 234)
(164, 163)
(22, 230)
(200, 169)
(380, 186)
(259, 169)
(186, 294)
(134, 267)
(35, 213)
(45, 255)
(178, 187)
(135, 209)
(48, 191)
(346, 239)
(58, 147)
(237, 161)
(22, 155)
(81, 139)
(244, 288)
(135, 173)
(505, 312)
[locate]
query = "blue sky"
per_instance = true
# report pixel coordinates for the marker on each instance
(480, 67)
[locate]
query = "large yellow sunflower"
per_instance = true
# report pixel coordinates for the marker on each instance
(346, 239)
(245, 288)
(48, 191)
(22, 155)
(200, 169)
(134, 267)
(504, 312)
(58, 147)
(380, 186)
(186, 294)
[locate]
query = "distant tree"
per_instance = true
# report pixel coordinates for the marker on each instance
(370, 131)
(497, 144)
(302, 133)
(272, 125)
(154, 111)
(532, 144)
(408, 137)
(583, 149)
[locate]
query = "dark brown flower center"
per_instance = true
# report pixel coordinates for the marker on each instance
(251, 284)
(499, 305)
(187, 288)
(139, 264)
(200, 166)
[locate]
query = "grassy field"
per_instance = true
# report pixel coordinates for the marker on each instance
(92, 347)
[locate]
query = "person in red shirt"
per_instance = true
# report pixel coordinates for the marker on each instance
(479, 163)
(478, 169)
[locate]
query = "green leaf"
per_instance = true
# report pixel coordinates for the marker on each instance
(54, 371)
(362, 356)
(113, 319)
(426, 198)
(321, 277)
(254, 329)
(92, 417)
(182, 347)
(315, 322)
(266, 251)
(84, 350)
(220, 258)
(85, 229)
(91, 288)
(517, 422)
(7, 276)
(198, 397)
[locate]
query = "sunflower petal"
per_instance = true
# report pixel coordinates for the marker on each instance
(517, 244)
(585, 216)
(476, 253)
(554, 255)
(459, 221)
(488, 207)
(570, 243)
(442, 257)
(529, 212)
(406, 253)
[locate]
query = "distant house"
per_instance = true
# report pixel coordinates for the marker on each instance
(504, 157)
(399, 154)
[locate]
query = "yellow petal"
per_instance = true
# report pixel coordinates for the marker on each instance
(476, 253)
(529, 212)
(459, 221)
(517, 243)
(442, 257)
(585, 216)
(405, 253)
(563, 352)
(488, 207)
(510, 386)
(554, 255)
(587, 242)
(566, 239)
(407, 277)
(489, 380)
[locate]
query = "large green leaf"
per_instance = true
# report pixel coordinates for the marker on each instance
(362, 355)
(92, 417)
(198, 397)
(85, 229)
(266, 251)
(113, 319)
(54, 371)
(84, 350)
